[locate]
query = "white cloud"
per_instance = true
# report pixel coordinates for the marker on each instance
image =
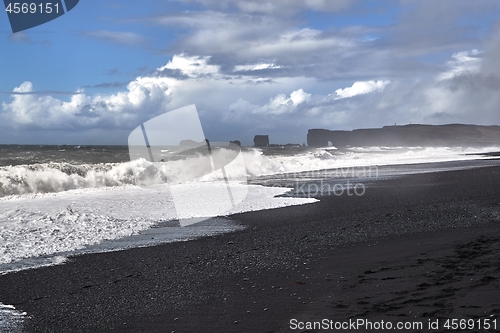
(241, 102)
(465, 62)
(255, 67)
(191, 66)
(83, 111)
(201, 83)
(281, 103)
(42, 111)
(240, 34)
(361, 87)
(299, 96)
(242, 42)
(241, 106)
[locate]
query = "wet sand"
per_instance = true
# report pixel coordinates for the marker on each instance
(419, 248)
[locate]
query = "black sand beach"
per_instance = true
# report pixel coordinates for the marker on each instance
(419, 248)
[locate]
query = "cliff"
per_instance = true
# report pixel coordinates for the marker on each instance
(408, 135)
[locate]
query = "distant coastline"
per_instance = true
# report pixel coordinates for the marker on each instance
(452, 135)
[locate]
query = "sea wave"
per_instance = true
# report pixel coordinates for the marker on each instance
(59, 177)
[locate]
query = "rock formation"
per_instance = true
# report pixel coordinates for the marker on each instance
(408, 135)
(236, 142)
(261, 140)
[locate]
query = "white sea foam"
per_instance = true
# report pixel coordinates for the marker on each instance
(46, 224)
(53, 208)
(329, 158)
(11, 320)
(59, 177)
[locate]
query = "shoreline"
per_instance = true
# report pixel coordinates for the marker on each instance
(285, 264)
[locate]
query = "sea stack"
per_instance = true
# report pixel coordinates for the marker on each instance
(261, 140)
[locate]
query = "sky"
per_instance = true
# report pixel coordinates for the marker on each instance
(250, 67)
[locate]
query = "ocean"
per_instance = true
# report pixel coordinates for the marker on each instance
(60, 201)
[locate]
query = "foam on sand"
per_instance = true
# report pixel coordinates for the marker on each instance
(11, 320)
(47, 224)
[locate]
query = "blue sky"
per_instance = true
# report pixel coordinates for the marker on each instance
(251, 67)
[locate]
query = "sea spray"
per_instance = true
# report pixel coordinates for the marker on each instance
(60, 177)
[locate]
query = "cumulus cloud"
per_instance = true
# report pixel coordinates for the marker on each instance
(192, 67)
(122, 109)
(39, 110)
(286, 107)
(145, 97)
(362, 87)
(242, 104)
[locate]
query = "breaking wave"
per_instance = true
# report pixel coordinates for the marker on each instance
(59, 177)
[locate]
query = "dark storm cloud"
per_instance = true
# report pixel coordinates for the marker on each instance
(477, 94)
